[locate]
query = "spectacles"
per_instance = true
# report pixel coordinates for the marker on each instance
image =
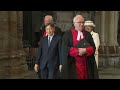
(79, 22)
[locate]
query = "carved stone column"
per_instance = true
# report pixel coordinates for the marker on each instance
(113, 28)
(116, 26)
(110, 55)
(12, 60)
(4, 44)
(103, 29)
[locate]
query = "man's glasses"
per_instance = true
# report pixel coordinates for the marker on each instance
(79, 22)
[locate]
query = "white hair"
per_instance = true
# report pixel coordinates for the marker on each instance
(74, 19)
(50, 17)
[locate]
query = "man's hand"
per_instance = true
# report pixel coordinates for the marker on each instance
(36, 67)
(82, 51)
(60, 67)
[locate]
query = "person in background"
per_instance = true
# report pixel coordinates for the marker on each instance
(49, 19)
(89, 25)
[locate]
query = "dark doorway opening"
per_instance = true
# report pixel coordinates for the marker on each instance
(32, 21)
(118, 33)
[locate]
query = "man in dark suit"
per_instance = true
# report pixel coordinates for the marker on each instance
(48, 56)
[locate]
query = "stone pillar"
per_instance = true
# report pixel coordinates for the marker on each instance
(12, 20)
(20, 30)
(113, 28)
(116, 26)
(12, 60)
(4, 44)
(102, 29)
(110, 56)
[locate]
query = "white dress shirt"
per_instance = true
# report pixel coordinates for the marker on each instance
(50, 37)
(80, 34)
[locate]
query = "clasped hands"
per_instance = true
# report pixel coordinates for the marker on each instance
(81, 51)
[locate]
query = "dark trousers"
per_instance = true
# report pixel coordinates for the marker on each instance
(48, 73)
(39, 74)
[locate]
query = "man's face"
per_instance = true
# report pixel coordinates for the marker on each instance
(49, 30)
(79, 23)
(47, 20)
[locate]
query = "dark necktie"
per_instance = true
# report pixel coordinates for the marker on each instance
(48, 41)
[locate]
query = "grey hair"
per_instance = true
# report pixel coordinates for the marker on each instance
(50, 17)
(74, 19)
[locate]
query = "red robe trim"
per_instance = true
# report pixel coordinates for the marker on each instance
(80, 60)
(43, 36)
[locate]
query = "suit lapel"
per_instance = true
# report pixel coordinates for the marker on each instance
(46, 43)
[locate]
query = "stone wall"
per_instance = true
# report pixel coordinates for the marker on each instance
(12, 59)
(64, 20)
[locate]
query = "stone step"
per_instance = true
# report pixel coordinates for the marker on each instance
(27, 75)
(109, 73)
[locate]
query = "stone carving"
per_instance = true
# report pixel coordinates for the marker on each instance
(65, 26)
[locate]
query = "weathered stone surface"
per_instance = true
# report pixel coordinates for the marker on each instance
(64, 20)
(12, 59)
(109, 56)
(12, 64)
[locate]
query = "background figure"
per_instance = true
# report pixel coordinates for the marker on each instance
(48, 19)
(48, 56)
(78, 62)
(89, 25)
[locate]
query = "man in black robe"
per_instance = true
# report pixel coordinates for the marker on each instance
(41, 32)
(78, 63)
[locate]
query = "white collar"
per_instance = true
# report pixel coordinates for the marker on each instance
(51, 36)
(79, 34)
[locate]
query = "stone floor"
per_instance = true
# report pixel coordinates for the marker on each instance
(109, 73)
(31, 75)
(104, 73)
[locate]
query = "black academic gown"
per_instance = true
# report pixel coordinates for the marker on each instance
(68, 62)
